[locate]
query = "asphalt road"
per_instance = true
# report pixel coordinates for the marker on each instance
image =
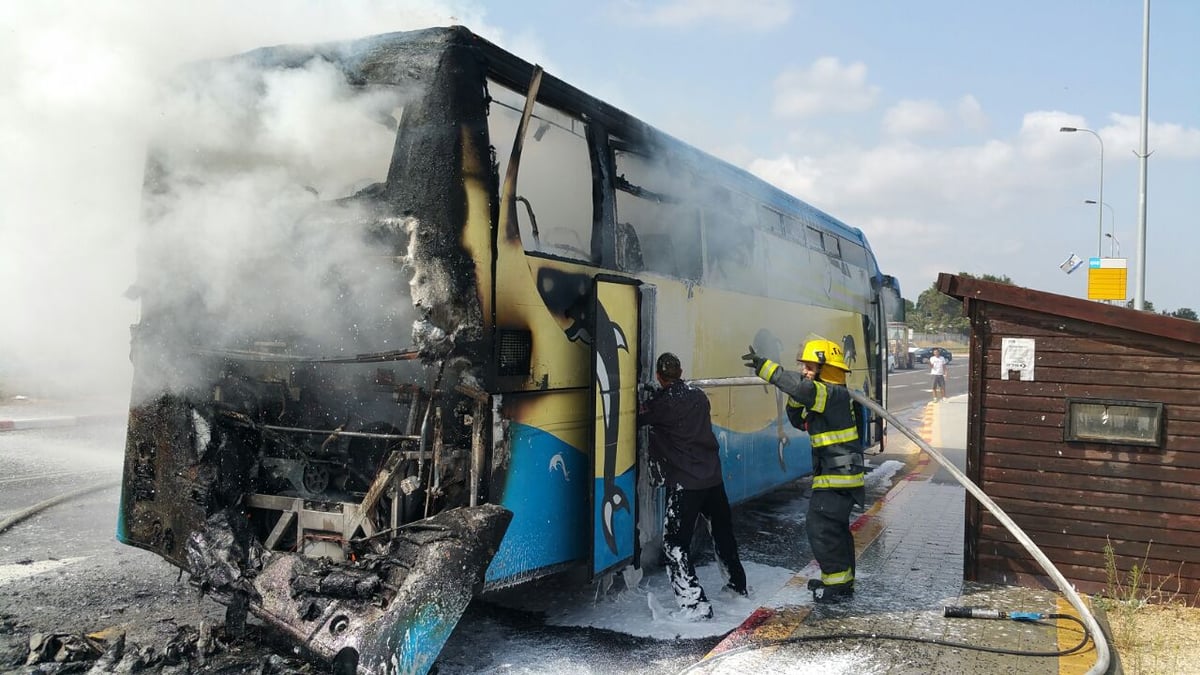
(62, 570)
(911, 388)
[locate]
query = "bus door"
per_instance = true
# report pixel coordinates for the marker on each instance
(888, 308)
(615, 351)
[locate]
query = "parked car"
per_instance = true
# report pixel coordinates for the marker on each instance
(922, 354)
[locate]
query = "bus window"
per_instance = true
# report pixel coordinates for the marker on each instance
(730, 243)
(855, 254)
(770, 220)
(793, 230)
(893, 303)
(791, 275)
(554, 185)
(656, 203)
(825, 241)
(833, 245)
(210, 142)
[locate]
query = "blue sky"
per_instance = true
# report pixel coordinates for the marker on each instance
(931, 125)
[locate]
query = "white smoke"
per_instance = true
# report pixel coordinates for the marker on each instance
(242, 221)
(79, 87)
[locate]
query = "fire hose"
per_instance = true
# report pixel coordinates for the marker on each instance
(47, 503)
(1089, 622)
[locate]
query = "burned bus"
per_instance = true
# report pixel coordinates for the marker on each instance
(400, 297)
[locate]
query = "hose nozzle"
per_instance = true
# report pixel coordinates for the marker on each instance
(989, 613)
(974, 613)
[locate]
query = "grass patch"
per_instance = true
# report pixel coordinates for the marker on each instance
(1154, 627)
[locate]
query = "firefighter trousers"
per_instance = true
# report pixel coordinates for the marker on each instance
(828, 525)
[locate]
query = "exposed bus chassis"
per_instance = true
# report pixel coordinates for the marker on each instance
(342, 509)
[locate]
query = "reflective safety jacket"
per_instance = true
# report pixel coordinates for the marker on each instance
(826, 411)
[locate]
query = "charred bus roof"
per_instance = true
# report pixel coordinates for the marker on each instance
(403, 56)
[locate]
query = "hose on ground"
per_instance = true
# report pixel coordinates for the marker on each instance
(1089, 622)
(796, 639)
(53, 501)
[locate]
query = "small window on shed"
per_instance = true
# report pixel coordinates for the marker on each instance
(1118, 422)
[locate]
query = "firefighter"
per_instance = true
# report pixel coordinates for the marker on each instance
(819, 403)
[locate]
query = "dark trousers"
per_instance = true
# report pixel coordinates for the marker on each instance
(683, 508)
(829, 534)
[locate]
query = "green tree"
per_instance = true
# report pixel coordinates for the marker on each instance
(1146, 305)
(936, 312)
(1185, 313)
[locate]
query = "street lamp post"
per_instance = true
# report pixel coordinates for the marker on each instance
(1100, 200)
(1112, 225)
(1114, 241)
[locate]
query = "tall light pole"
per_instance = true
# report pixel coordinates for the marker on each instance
(1114, 239)
(1139, 285)
(1099, 209)
(1112, 225)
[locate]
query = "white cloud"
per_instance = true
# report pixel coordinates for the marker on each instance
(910, 118)
(1164, 140)
(1039, 138)
(989, 207)
(971, 114)
(754, 14)
(825, 86)
(914, 118)
(796, 175)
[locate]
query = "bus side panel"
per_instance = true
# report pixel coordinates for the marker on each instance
(710, 328)
(544, 479)
(755, 458)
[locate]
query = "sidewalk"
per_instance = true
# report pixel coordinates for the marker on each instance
(910, 566)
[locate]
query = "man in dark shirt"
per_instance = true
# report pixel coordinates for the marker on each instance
(685, 450)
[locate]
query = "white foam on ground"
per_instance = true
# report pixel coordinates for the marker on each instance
(16, 572)
(646, 609)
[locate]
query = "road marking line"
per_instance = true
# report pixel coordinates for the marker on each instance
(1069, 634)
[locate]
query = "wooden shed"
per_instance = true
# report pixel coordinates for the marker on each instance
(1084, 426)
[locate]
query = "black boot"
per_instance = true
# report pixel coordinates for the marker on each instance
(830, 595)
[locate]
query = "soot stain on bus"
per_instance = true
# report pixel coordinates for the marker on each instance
(371, 379)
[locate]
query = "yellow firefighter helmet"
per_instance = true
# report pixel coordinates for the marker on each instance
(824, 352)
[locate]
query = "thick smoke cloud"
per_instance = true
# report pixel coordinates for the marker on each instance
(244, 216)
(80, 88)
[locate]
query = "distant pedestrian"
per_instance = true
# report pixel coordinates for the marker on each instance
(937, 368)
(685, 453)
(820, 404)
